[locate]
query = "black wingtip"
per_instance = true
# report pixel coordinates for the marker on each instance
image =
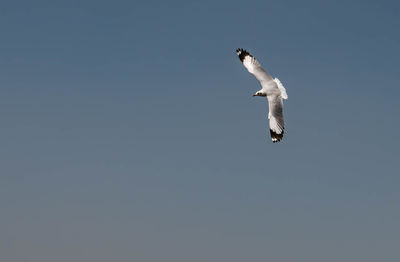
(275, 136)
(242, 53)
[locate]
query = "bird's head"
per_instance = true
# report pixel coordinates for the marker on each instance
(260, 94)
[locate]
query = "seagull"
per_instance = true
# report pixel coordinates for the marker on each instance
(272, 88)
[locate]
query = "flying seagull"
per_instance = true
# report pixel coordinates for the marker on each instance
(272, 88)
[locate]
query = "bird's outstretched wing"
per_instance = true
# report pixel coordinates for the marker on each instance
(252, 65)
(275, 116)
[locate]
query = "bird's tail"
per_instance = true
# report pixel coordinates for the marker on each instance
(281, 88)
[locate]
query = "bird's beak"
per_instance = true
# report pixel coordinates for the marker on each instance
(254, 95)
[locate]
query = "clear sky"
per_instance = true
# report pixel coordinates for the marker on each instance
(129, 133)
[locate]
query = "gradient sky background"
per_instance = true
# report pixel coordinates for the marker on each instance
(128, 132)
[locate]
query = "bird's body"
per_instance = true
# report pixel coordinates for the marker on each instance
(272, 88)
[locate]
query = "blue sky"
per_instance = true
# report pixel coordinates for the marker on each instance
(129, 132)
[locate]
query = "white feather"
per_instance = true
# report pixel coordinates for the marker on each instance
(281, 88)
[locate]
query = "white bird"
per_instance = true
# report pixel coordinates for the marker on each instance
(272, 88)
